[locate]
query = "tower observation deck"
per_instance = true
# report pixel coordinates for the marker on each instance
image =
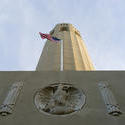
(69, 54)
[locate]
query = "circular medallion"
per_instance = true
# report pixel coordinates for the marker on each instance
(59, 99)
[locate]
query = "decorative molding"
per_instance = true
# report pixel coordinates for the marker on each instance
(59, 99)
(11, 98)
(109, 99)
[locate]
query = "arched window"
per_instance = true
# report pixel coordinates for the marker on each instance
(64, 29)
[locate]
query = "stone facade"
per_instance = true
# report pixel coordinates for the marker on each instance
(94, 111)
(73, 96)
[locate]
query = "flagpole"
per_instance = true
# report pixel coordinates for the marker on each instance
(61, 56)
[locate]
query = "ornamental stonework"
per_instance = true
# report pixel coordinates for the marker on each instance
(59, 99)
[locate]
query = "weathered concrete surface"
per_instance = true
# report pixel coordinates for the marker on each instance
(75, 53)
(94, 111)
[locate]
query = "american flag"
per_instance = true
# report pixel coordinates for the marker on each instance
(49, 37)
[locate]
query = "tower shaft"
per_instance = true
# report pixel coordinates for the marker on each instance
(75, 56)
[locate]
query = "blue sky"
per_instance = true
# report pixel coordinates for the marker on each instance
(100, 22)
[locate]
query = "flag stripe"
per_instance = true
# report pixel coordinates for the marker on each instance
(49, 37)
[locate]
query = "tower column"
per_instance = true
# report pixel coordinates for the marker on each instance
(75, 56)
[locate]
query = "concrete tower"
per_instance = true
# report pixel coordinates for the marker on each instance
(62, 91)
(75, 55)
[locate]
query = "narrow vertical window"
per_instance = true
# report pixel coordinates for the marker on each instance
(64, 29)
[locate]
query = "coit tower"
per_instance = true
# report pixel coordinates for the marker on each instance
(69, 54)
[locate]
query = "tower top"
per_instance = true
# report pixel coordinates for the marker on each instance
(64, 27)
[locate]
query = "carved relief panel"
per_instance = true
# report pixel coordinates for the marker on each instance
(59, 99)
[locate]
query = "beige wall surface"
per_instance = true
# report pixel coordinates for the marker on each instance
(75, 55)
(94, 111)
